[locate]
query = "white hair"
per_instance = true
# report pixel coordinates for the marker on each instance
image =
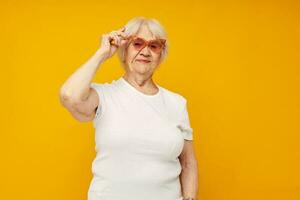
(154, 26)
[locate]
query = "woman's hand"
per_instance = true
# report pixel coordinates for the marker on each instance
(112, 41)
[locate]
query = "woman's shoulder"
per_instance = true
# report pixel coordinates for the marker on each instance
(174, 96)
(106, 85)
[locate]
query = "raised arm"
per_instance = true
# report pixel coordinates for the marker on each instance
(76, 94)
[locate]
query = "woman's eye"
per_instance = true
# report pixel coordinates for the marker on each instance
(137, 44)
(155, 46)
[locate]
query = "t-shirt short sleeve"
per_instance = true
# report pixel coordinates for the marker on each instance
(101, 90)
(184, 123)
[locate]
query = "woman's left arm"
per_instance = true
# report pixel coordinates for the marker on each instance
(189, 173)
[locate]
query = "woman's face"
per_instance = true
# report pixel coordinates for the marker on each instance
(132, 59)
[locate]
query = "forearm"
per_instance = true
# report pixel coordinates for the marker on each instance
(77, 85)
(189, 181)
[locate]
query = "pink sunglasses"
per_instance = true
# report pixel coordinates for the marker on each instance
(155, 45)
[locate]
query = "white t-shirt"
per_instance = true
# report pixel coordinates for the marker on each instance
(138, 140)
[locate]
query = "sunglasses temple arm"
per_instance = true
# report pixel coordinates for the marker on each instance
(137, 54)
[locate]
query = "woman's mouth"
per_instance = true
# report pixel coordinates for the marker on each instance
(143, 61)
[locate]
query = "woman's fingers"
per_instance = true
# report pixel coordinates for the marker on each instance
(121, 37)
(118, 37)
(115, 40)
(123, 42)
(120, 34)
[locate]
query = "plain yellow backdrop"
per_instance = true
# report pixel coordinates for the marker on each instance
(237, 63)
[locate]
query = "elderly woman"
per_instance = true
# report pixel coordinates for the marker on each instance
(143, 135)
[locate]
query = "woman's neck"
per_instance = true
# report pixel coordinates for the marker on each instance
(142, 83)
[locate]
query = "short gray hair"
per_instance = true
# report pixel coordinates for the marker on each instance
(154, 26)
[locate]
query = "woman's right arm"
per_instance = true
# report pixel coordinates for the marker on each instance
(76, 95)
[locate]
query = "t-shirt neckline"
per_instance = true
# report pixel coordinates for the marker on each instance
(131, 87)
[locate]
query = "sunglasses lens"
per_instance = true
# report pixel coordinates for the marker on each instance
(138, 43)
(155, 46)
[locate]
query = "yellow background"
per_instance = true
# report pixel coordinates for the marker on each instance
(236, 62)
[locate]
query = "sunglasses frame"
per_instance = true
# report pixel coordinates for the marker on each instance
(146, 43)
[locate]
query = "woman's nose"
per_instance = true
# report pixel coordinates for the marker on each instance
(145, 52)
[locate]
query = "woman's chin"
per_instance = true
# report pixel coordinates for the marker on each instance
(142, 68)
